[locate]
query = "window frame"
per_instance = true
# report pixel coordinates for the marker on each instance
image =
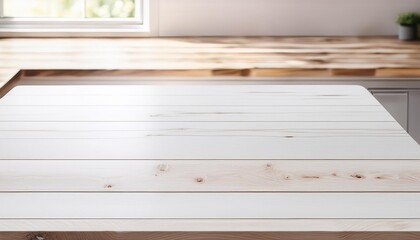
(140, 24)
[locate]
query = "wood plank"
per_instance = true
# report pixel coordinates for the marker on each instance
(211, 176)
(300, 113)
(191, 90)
(210, 205)
(210, 236)
(103, 100)
(211, 225)
(117, 130)
(187, 95)
(211, 148)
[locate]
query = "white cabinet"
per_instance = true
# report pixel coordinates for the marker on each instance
(414, 114)
(396, 103)
(404, 106)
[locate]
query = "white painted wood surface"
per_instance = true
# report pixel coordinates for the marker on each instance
(189, 90)
(132, 153)
(210, 205)
(205, 129)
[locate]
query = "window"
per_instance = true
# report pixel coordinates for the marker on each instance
(78, 15)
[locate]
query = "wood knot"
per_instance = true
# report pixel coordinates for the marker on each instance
(199, 180)
(383, 177)
(108, 186)
(358, 176)
(163, 167)
(269, 165)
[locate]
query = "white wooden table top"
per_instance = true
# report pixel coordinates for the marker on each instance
(131, 158)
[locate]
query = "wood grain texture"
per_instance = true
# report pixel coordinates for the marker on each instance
(217, 56)
(401, 72)
(210, 176)
(290, 72)
(353, 72)
(209, 236)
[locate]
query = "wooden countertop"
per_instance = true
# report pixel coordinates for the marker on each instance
(209, 56)
(259, 158)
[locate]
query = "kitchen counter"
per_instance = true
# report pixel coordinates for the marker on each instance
(220, 56)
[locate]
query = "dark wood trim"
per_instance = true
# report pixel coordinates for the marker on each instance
(211, 236)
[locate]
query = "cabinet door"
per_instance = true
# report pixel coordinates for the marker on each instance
(396, 103)
(414, 114)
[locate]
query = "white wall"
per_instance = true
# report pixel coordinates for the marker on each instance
(281, 17)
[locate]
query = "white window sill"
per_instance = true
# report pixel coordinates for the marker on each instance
(112, 32)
